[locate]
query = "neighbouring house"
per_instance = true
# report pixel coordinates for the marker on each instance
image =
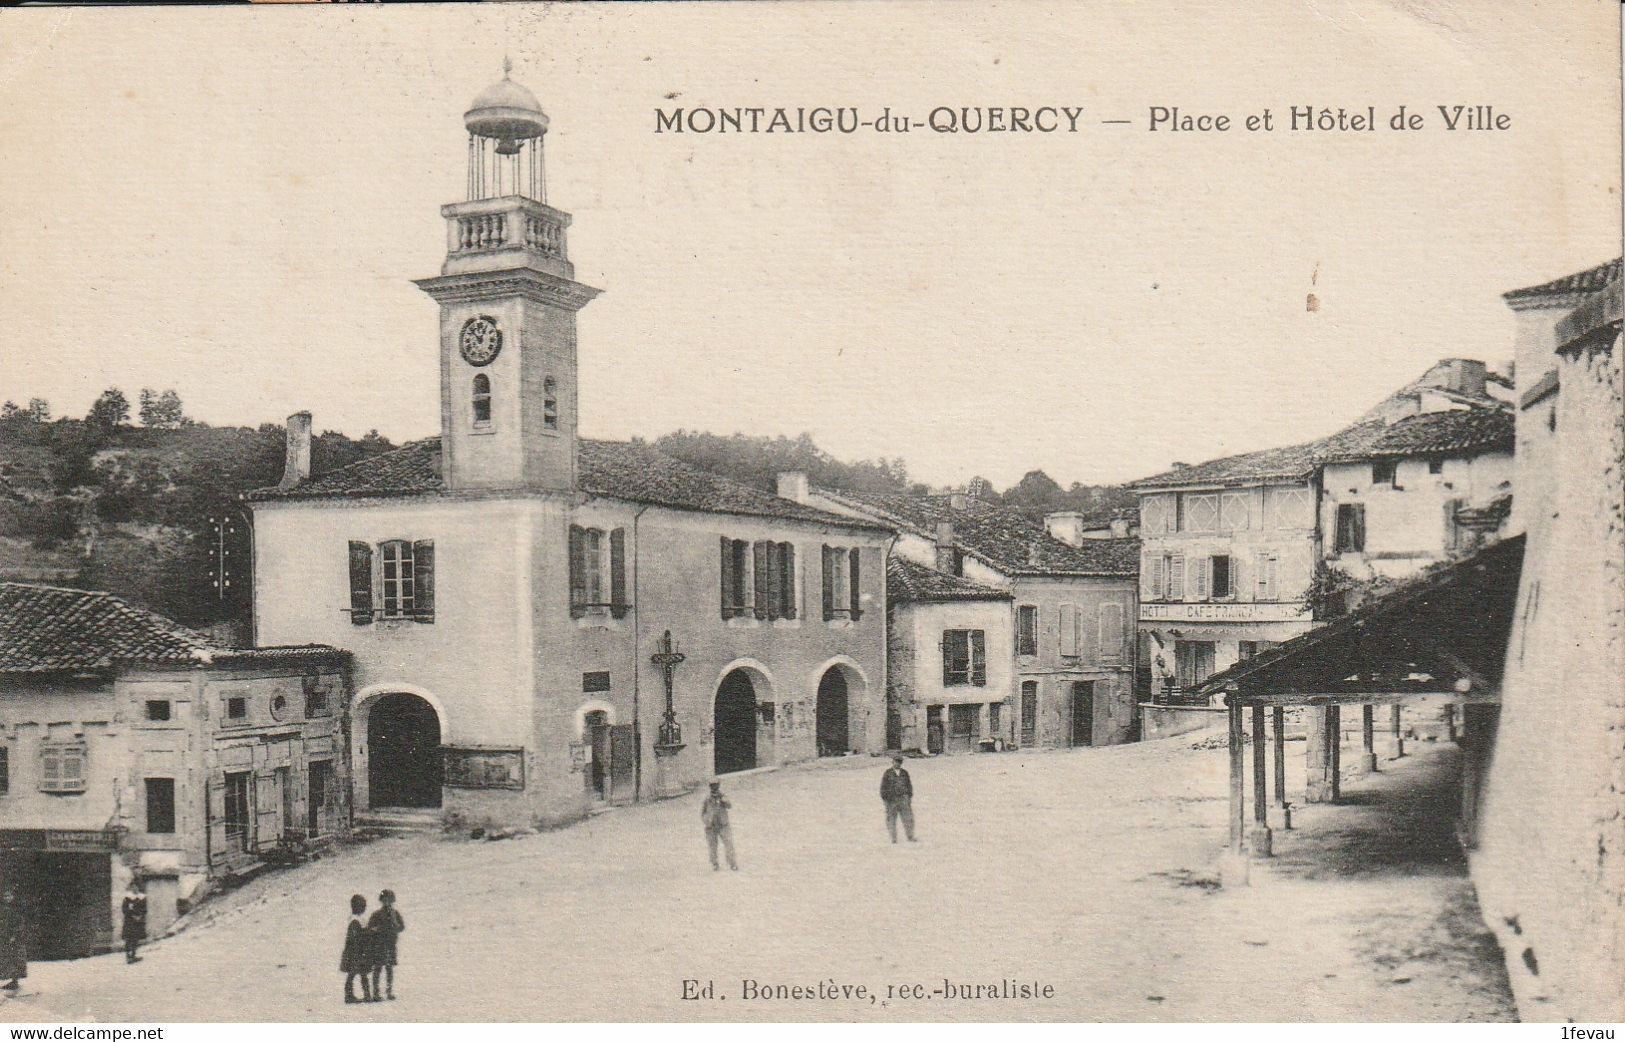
(542, 622)
(1239, 553)
(134, 747)
(1068, 624)
(1546, 796)
(949, 661)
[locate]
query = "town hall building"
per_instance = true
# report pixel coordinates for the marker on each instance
(538, 621)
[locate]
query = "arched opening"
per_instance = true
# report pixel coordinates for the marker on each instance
(595, 727)
(834, 728)
(403, 752)
(482, 398)
(734, 723)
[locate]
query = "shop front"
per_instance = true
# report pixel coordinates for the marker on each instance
(69, 881)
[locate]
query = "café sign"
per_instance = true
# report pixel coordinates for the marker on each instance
(1219, 611)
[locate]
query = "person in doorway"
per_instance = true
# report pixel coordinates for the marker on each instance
(897, 792)
(714, 813)
(357, 958)
(134, 909)
(384, 927)
(13, 938)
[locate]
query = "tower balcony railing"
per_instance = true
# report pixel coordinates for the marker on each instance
(507, 223)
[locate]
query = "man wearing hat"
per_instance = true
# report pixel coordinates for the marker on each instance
(897, 792)
(714, 813)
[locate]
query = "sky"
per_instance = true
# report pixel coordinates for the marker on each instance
(233, 201)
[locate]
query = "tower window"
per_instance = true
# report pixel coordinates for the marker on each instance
(550, 403)
(482, 399)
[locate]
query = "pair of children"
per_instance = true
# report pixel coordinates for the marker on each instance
(369, 949)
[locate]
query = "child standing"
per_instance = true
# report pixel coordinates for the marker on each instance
(357, 958)
(385, 925)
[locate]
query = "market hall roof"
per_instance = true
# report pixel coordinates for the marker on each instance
(51, 629)
(631, 471)
(1448, 624)
(909, 582)
(1000, 537)
(1448, 433)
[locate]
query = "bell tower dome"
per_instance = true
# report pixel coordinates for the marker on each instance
(508, 302)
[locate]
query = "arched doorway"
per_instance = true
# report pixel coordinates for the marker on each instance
(403, 752)
(834, 714)
(734, 723)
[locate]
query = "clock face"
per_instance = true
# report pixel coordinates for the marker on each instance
(480, 341)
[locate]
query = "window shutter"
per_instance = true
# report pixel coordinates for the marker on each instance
(947, 647)
(727, 578)
(217, 839)
(856, 582)
(1200, 574)
(617, 573)
(578, 572)
(1156, 578)
(1111, 631)
(1359, 527)
(978, 658)
(760, 571)
(360, 583)
(423, 580)
(829, 583)
(1069, 630)
(787, 579)
(1176, 577)
(1148, 577)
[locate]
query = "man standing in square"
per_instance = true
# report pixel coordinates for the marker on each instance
(898, 794)
(714, 814)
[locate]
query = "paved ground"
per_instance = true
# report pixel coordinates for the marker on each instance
(1087, 871)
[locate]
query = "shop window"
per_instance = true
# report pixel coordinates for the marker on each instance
(62, 768)
(157, 709)
(964, 658)
(1027, 629)
(161, 805)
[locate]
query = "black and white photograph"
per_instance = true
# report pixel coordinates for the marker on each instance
(874, 512)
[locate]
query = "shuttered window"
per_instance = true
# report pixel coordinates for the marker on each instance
(360, 583)
(1265, 565)
(160, 805)
(1176, 577)
(736, 577)
(1027, 629)
(787, 580)
(1199, 578)
(62, 768)
(1350, 537)
(964, 658)
(396, 581)
(1111, 632)
(1219, 568)
(843, 583)
(598, 572)
(1069, 630)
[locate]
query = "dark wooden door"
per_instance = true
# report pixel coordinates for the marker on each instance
(1083, 712)
(733, 730)
(623, 760)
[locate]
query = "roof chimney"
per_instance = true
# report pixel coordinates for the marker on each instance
(1467, 377)
(1065, 525)
(958, 501)
(296, 469)
(793, 486)
(1120, 527)
(947, 558)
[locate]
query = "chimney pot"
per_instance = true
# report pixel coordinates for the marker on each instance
(793, 486)
(1065, 525)
(296, 468)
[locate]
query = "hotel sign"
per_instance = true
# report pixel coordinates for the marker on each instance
(1222, 612)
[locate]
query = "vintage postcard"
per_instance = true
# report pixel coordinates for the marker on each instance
(812, 512)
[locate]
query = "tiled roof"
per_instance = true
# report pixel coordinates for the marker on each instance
(1453, 432)
(1559, 292)
(612, 469)
(46, 629)
(909, 582)
(1002, 538)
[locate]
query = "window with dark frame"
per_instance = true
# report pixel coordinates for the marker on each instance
(842, 583)
(1384, 471)
(239, 836)
(1350, 535)
(1435, 466)
(964, 658)
(736, 578)
(1027, 629)
(161, 805)
(482, 400)
(237, 708)
(550, 403)
(1220, 579)
(398, 586)
(598, 571)
(397, 576)
(157, 709)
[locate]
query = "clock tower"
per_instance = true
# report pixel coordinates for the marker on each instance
(508, 301)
